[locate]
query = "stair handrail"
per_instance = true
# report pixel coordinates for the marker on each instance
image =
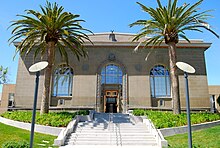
(110, 120)
(158, 135)
(118, 134)
(66, 131)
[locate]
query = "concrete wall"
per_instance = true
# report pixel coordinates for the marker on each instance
(25, 84)
(139, 91)
(214, 90)
(133, 64)
(84, 91)
(198, 91)
(7, 88)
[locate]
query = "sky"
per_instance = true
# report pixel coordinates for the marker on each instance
(104, 16)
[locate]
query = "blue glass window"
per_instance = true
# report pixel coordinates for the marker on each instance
(111, 74)
(160, 82)
(63, 81)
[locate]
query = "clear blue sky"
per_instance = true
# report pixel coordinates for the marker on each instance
(103, 16)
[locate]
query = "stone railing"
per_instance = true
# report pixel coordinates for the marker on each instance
(159, 137)
(184, 129)
(65, 132)
(27, 126)
(161, 142)
(71, 127)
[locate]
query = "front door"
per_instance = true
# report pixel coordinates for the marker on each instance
(111, 105)
(111, 101)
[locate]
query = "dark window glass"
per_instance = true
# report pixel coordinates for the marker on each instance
(11, 99)
(111, 74)
(160, 82)
(63, 81)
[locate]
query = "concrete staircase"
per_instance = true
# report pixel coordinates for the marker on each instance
(111, 130)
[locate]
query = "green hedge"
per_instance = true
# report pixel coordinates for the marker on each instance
(15, 144)
(56, 119)
(168, 119)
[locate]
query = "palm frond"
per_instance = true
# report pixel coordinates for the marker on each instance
(52, 24)
(171, 21)
(184, 37)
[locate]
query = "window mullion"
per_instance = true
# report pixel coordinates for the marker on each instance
(57, 78)
(69, 85)
(165, 77)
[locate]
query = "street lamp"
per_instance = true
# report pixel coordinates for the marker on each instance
(35, 68)
(186, 68)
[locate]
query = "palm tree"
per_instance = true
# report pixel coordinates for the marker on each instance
(168, 23)
(47, 33)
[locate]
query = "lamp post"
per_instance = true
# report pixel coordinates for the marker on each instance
(186, 68)
(35, 68)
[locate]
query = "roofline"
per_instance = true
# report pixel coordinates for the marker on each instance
(134, 44)
(195, 43)
(103, 33)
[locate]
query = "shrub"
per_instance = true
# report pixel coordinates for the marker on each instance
(168, 119)
(14, 144)
(56, 119)
(82, 112)
(139, 112)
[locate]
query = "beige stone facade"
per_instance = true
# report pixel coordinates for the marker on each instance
(214, 92)
(134, 90)
(7, 100)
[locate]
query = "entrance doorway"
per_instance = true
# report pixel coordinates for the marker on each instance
(111, 83)
(111, 105)
(111, 100)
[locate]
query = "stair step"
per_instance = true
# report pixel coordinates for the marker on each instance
(104, 139)
(121, 131)
(123, 134)
(112, 128)
(110, 131)
(111, 135)
(112, 138)
(107, 124)
(152, 144)
(113, 125)
(107, 146)
(111, 143)
(118, 127)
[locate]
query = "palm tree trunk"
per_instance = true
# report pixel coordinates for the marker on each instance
(47, 81)
(174, 78)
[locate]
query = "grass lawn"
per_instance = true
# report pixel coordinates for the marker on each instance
(206, 138)
(9, 133)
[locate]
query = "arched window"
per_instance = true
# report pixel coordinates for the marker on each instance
(160, 82)
(63, 81)
(111, 74)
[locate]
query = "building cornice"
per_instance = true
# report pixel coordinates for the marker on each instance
(134, 44)
(125, 40)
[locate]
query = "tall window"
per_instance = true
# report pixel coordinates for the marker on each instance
(160, 82)
(63, 81)
(111, 74)
(11, 100)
